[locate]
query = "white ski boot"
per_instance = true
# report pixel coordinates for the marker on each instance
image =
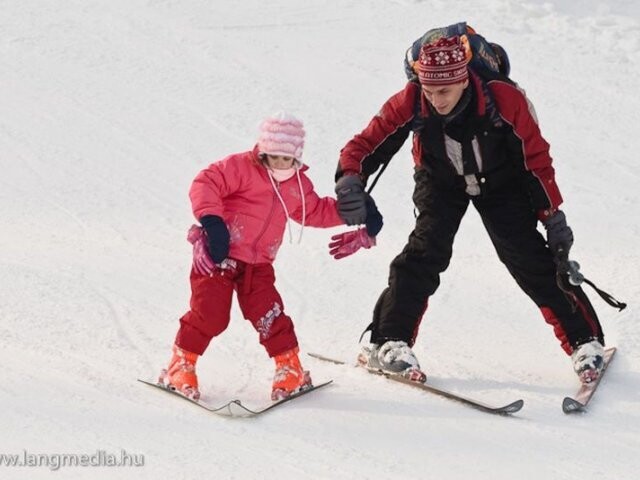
(394, 357)
(588, 360)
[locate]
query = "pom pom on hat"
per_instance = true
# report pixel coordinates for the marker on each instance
(281, 134)
(443, 62)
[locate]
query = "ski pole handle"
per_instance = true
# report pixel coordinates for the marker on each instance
(569, 267)
(575, 277)
(562, 253)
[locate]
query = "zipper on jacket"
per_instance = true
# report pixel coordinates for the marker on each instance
(264, 228)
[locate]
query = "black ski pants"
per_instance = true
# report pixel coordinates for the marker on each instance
(511, 223)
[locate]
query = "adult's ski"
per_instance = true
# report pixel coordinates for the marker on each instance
(508, 409)
(235, 408)
(579, 401)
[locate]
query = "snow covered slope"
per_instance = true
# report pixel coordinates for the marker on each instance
(110, 108)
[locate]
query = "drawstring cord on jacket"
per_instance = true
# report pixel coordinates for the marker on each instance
(284, 206)
(304, 204)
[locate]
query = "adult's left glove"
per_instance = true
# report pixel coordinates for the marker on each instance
(351, 200)
(218, 236)
(559, 235)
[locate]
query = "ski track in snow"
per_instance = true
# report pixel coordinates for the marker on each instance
(109, 111)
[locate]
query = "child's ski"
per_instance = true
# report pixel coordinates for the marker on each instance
(235, 408)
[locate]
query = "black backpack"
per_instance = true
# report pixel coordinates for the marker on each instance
(489, 60)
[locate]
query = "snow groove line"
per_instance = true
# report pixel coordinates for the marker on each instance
(123, 331)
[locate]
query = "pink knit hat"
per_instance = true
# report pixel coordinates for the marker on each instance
(443, 62)
(281, 134)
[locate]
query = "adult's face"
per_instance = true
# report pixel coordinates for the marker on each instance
(444, 97)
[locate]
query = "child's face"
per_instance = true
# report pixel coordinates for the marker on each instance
(280, 162)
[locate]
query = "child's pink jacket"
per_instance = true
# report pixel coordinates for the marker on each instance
(238, 189)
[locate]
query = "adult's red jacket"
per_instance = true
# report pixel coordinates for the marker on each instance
(503, 126)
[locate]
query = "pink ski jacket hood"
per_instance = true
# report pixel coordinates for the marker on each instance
(255, 207)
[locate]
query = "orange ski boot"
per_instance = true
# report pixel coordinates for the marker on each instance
(181, 374)
(290, 378)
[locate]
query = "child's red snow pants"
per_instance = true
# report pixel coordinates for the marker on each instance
(259, 301)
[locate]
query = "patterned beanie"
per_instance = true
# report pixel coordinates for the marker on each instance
(281, 134)
(443, 62)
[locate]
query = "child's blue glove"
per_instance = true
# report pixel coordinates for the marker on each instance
(218, 236)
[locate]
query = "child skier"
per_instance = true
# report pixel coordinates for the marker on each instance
(244, 203)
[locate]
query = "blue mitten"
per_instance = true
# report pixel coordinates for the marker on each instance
(217, 235)
(373, 222)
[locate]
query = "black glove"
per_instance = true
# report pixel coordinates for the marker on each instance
(351, 200)
(373, 221)
(559, 235)
(217, 236)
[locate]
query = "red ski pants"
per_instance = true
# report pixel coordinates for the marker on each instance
(259, 302)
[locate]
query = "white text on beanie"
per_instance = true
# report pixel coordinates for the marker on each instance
(443, 62)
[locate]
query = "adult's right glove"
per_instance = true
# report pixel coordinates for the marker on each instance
(218, 236)
(559, 235)
(351, 199)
